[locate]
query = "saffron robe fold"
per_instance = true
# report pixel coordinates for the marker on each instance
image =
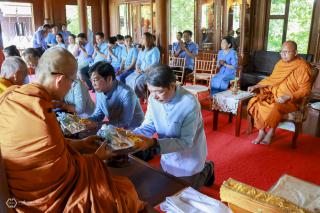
(44, 173)
(288, 78)
(4, 84)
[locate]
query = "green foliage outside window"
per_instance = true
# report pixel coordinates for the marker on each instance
(182, 16)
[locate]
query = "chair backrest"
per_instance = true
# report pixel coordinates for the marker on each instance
(207, 56)
(206, 67)
(178, 65)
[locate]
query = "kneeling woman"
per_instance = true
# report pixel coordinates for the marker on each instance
(227, 62)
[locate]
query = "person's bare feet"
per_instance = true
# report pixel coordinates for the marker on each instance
(268, 138)
(260, 137)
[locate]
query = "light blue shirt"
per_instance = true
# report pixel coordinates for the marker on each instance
(51, 39)
(79, 96)
(194, 49)
(121, 106)
(175, 47)
(62, 45)
(115, 61)
(146, 58)
(129, 56)
(103, 48)
(65, 36)
(82, 59)
(39, 40)
(179, 126)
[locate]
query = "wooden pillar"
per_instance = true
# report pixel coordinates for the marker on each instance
(218, 29)
(47, 11)
(162, 27)
(197, 23)
(243, 29)
(105, 18)
(82, 7)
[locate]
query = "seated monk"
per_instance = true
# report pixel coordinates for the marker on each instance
(280, 93)
(45, 171)
(13, 72)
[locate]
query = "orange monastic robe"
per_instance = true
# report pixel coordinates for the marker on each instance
(288, 78)
(44, 173)
(4, 84)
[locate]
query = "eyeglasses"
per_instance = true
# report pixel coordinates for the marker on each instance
(61, 73)
(285, 52)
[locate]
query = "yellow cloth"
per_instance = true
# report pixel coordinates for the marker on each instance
(44, 173)
(4, 84)
(288, 78)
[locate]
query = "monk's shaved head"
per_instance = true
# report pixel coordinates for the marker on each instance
(56, 60)
(56, 71)
(289, 51)
(14, 69)
(291, 44)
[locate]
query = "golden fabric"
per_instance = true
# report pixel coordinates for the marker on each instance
(4, 84)
(255, 200)
(44, 173)
(293, 79)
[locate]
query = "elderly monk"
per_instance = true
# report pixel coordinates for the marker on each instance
(280, 93)
(45, 172)
(13, 72)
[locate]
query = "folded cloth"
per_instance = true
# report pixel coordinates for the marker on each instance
(192, 201)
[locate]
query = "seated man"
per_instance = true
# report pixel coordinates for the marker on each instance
(84, 58)
(280, 93)
(115, 100)
(45, 171)
(11, 51)
(13, 72)
(100, 48)
(51, 38)
(182, 139)
(188, 50)
(31, 57)
(114, 54)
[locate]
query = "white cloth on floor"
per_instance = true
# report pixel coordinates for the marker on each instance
(192, 201)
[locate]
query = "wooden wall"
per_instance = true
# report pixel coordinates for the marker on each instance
(59, 12)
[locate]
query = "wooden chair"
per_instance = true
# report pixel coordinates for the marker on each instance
(297, 117)
(178, 66)
(203, 70)
(207, 56)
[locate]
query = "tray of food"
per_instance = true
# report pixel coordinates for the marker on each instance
(120, 140)
(71, 123)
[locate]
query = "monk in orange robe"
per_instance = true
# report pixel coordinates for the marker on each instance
(280, 93)
(13, 72)
(45, 171)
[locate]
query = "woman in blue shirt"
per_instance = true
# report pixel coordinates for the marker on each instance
(176, 46)
(227, 62)
(148, 56)
(175, 115)
(129, 58)
(60, 41)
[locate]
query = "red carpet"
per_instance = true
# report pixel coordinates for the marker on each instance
(257, 165)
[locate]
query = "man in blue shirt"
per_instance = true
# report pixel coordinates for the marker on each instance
(175, 115)
(114, 53)
(115, 100)
(65, 34)
(51, 38)
(188, 50)
(39, 38)
(84, 59)
(100, 48)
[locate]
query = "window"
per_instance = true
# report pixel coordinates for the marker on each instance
(16, 24)
(72, 15)
(289, 20)
(123, 19)
(181, 17)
